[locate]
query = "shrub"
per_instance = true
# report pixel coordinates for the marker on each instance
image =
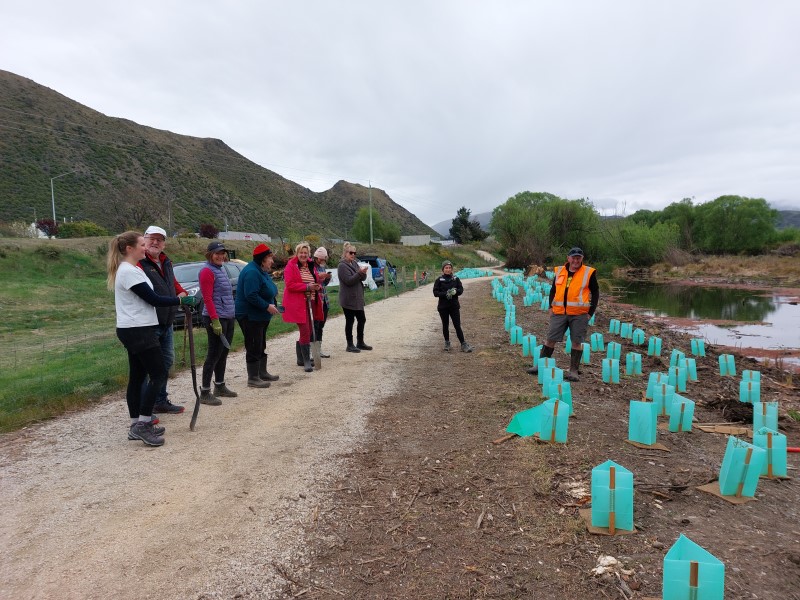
(81, 229)
(207, 230)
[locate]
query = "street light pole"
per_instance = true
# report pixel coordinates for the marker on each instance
(53, 193)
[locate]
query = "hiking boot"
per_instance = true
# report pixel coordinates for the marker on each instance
(447, 346)
(534, 370)
(145, 432)
(168, 407)
(465, 347)
(223, 391)
(156, 430)
(362, 346)
(206, 397)
(351, 348)
(262, 370)
(253, 380)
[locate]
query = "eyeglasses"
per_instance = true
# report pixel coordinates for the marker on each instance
(155, 239)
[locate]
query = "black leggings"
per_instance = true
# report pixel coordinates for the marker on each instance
(217, 356)
(446, 314)
(349, 316)
(144, 360)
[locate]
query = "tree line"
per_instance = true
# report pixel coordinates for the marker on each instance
(539, 228)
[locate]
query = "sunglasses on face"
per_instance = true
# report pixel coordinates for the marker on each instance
(351, 252)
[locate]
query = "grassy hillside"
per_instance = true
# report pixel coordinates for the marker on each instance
(127, 175)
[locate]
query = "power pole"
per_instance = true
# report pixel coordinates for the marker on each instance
(370, 213)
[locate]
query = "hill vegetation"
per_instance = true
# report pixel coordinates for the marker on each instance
(122, 175)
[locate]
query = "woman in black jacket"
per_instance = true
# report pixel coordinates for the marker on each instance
(447, 288)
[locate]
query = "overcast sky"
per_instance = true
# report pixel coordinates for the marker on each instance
(448, 103)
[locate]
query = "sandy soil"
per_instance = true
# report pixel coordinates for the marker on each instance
(376, 477)
(89, 514)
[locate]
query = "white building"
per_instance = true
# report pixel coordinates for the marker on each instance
(244, 235)
(415, 240)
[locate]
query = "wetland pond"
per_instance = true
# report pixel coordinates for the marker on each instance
(759, 323)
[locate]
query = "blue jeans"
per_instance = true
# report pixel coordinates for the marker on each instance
(165, 339)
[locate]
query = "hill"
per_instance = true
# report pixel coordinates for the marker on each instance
(122, 174)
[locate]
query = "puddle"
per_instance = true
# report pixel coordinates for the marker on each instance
(761, 324)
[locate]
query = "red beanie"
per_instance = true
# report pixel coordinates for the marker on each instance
(261, 249)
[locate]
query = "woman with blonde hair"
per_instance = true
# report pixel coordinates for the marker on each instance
(137, 328)
(301, 284)
(351, 297)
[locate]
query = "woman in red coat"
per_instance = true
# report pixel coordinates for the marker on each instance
(301, 282)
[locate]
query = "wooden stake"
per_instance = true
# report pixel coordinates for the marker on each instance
(612, 513)
(769, 455)
(555, 421)
(694, 569)
(680, 422)
(744, 473)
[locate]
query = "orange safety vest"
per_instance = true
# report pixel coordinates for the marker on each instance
(577, 294)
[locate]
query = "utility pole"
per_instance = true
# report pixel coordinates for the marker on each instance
(370, 214)
(53, 193)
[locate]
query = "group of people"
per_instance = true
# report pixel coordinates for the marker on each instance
(147, 297)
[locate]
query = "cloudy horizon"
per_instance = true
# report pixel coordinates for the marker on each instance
(630, 105)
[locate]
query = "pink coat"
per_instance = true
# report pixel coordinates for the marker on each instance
(294, 294)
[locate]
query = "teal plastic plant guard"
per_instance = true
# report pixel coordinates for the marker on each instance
(591, 319)
(727, 367)
(626, 330)
(544, 363)
(774, 443)
(526, 422)
(690, 364)
(614, 350)
(692, 573)
(654, 346)
(554, 421)
(596, 340)
(610, 370)
(675, 356)
(765, 414)
(553, 374)
(638, 336)
(633, 363)
(643, 422)
(612, 497)
(741, 467)
(680, 414)
(515, 335)
(698, 347)
(750, 391)
(613, 326)
(586, 355)
(678, 377)
(748, 375)
(663, 396)
(562, 391)
(568, 346)
(655, 378)
(528, 344)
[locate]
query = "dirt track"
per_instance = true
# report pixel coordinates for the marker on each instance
(89, 514)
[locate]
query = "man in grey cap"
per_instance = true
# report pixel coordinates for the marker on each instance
(573, 301)
(158, 268)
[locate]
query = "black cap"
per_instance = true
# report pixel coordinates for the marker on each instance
(575, 252)
(216, 246)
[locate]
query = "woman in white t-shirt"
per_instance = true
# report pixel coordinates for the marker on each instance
(137, 329)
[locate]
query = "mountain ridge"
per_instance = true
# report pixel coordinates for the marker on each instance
(121, 174)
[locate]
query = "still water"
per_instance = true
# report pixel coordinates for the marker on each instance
(757, 319)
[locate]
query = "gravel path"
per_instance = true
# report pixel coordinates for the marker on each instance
(211, 514)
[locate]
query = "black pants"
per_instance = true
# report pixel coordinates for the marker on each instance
(144, 360)
(217, 356)
(446, 314)
(350, 316)
(255, 339)
(320, 325)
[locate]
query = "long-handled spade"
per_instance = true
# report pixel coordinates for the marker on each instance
(316, 351)
(188, 325)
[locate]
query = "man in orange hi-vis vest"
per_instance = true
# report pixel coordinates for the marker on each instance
(573, 300)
